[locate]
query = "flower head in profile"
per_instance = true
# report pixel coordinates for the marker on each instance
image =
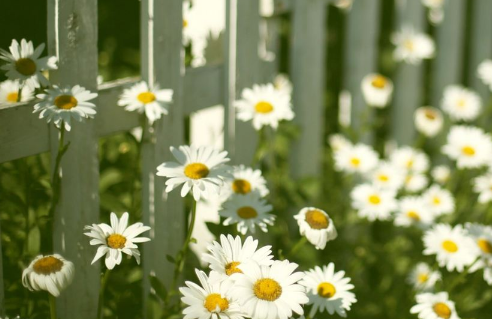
(428, 121)
(244, 180)
(461, 104)
(200, 170)
(24, 63)
(469, 146)
(373, 202)
(9, 92)
(51, 273)
(485, 73)
(441, 174)
(377, 90)
(264, 106)
(358, 158)
(115, 239)
(141, 98)
(61, 105)
(316, 225)
(328, 290)
(411, 46)
(434, 306)
(423, 278)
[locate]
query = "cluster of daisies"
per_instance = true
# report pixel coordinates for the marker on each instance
(246, 282)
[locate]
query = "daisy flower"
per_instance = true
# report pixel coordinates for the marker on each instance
(439, 200)
(373, 202)
(413, 210)
(60, 105)
(210, 300)
(428, 120)
(411, 46)
(225, 257)
(482, 235)
(338, 142)
(415, 182)
(410, 159)
(248, 212)
(270, 292)
(377, 90)
(423, 278)
(328, 290)
(264, 105)
(116, 239)
(469, 146)
(9, 92)
(388, 177)
(461, 104)
(358, 158)
(51, 273)
(141, 98)
(316, 225)
(434, 306)
(25, 65)
(436, 11)
(453, 248)
(345, 5)
(201, 170)
(485, 72)
(245, 180)
(441, 174)
(283, 84)
(482, 185)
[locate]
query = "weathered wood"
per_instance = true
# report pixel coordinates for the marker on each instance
(72, 37)
(204, 88)
(307, 64)
(408, 79)
(2, 293)
(229, 72)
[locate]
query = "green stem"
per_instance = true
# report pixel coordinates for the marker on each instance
(102, 289)
(52, 306)
(19, 93)
(133, 189)
(258, 155)
(461, 277)
(297, 246)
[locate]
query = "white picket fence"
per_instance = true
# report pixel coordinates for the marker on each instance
(72, 37)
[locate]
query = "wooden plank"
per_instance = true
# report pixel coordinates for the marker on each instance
(408, 79)
(308, 57)
(2, 293)
(229, 71)
(204, 87)
(72, 36)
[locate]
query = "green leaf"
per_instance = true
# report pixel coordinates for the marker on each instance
(170, 259)
(193, 240)
(160, 289)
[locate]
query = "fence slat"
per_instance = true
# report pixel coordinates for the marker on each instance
(2, 293)
(408, 78)
(229, 73)
(72, 35)
(308, 78)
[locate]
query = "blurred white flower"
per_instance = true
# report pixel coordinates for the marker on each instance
(461, 104)
(358, 158)
(244, 180)
(428, 121)
(439, 200)
(482, 185)
(441, 174)
(373, 202)
(410, 159)
(413, 210)
(283, 84)
(485, 72)
(434, 306)
(338, 142)
(482, 235)
(388, 176)
(423, 278)
(415, 182)
(411, 46)
(436, 11)
(469, 146)
(316, 225)
(345, 5)
(9, 92)
(377, 90)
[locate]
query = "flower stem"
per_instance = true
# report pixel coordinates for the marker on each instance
(297, 246)
(52, 306)
(19, 93)
(102, 289)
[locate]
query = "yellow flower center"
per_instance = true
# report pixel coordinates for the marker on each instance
(47, 265)
(409, 45)
(430, 115)
(263, 107)
(241, 186)
(413, 215)
(231, 268)
(196, 170)
(215, 303)
(461, 103)
(25, 66)
(485, 246)
(146, 97)
(436, 200)
(267, 289)
(185, 23)
(379, 82)
(12, 97)
(354, 161)
(383, 178)
(410, 163)
(247, 212)
(326, 290)
(65, 102)
(423, 278)
(468, 151)
(442, 310)
(449, 246)
(317, 219)
(116, 241)
(374, 199)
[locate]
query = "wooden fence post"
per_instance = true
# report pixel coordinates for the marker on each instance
(72, 36)
(2, 294)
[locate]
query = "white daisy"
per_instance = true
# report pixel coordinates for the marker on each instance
(248, 212)
(388, 177)
(373, 202)
(453, 248)
(482, 236)
(485, 72)
(461, 104)
(428, 120)
(283, 84)
(328, 290)
(199, 169)
(413, 210)
(225, 257)
(60, 105)
(441, 174)
(415, 182)
(9, 92)
(210, 300)
(434, 306)
(316, 225)
(141, 98)
(24, 64)
(345, 5)
(436, 11)
(439, 200)
(377, 90)
(244, 181)
(411, 46)
(51, 273)
(338, 142)
(410, 159)
(423, 278)
(482, 185)
(469, 146)
(116, 239)
(270, 292)
(358, 158)
(264, 105)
